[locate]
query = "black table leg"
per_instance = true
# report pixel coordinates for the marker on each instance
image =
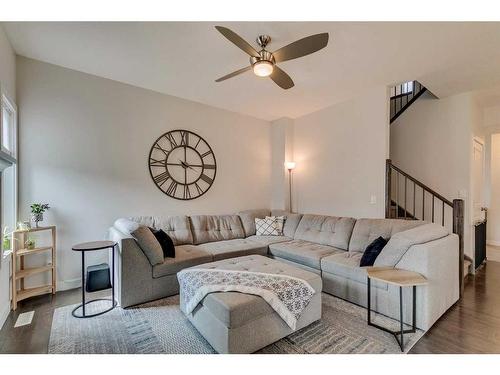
(369, 299)
(414, 308)
(83, 284)
(401, 344)
(113, 276)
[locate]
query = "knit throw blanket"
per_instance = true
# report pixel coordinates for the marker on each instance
(287, 295)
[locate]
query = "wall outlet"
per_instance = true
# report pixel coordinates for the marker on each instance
(373, 199)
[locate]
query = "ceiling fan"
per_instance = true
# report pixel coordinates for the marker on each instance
(263, 63)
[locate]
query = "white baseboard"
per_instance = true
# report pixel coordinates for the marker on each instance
(69, 284)
(493, 242)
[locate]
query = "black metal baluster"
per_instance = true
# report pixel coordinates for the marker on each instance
(423, 204)
(406, 183)
(433, 208)
(414, 208)
(442, 219)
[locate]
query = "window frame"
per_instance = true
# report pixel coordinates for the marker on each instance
(6, 102)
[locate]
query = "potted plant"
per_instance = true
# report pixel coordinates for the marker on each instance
(37, 210)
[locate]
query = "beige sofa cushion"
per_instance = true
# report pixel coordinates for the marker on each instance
(291, 221)
(326, 230)
(248, 219)
(211, 228)
(233, 248)
(185, 256)
(302, 252)
(367, 230)
(177, 227)
(149, 244)
(267, 240)
(346, 265)
(399, 244)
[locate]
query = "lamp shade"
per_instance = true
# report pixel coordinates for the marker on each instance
(290, 165)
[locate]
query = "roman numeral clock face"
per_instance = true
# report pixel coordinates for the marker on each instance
(182, 164)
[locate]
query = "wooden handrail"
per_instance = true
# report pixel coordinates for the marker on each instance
(423, 186)
(457, 209)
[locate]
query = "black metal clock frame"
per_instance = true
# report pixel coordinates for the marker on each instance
(161, 178)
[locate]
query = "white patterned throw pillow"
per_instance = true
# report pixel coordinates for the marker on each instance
(266, 227)
(279, 222)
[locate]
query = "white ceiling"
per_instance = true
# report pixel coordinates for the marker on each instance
(184, 59)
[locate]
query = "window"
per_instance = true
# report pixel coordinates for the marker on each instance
(9, 125)
(8, 170)
(402, 89)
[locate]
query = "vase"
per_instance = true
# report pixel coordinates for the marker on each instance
(37, 218)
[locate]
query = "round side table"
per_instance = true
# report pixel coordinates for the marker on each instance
(94, 246)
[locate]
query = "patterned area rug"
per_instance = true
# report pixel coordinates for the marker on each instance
(160, 327)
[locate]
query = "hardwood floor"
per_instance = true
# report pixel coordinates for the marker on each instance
(470, 326)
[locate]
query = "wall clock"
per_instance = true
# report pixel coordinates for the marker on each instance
(182, 164)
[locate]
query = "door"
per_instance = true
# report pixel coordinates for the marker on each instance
(478, 165)
(478, 210)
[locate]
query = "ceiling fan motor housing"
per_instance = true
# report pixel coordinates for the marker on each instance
(264, 56)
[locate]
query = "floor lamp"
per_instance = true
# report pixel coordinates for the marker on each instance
(290, 165)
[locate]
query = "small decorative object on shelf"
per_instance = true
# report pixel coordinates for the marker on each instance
(30, 243)
(23, 245)
(23, 225)
(37, 210)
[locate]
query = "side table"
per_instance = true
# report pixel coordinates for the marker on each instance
(400, 278)
(93, 246)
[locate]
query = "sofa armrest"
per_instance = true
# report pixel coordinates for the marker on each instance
(133, 273)
(438, 261)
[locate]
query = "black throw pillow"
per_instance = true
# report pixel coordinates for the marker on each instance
(166, 243)
(372, 251)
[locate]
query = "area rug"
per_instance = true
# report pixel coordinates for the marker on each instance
(160, 327)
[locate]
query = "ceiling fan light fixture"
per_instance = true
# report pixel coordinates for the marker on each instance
(263, 68)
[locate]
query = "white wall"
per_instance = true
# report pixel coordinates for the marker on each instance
(493, 230)
(282, 151)
(340, 153)
(8, 84)
(84, 143)
(432, 141)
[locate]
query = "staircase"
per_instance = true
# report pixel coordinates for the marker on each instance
(403, 96)
(408, 198)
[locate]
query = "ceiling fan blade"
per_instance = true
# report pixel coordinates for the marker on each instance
(237, 40)
(301, 47)
(231, 75)
(282, 79)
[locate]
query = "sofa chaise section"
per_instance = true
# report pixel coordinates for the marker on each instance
(136, 279)
(437, 260)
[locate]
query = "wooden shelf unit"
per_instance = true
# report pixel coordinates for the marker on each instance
(20, 272)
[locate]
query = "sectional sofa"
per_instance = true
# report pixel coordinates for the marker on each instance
(326, 245)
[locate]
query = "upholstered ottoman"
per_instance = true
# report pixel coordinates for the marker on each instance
(234, 322)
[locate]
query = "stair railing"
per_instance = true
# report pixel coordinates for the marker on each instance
(403, 95)
(401, 203)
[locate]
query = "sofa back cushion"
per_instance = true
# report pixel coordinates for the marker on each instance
(367, 230)
(291, 221)
(210, 228)
(248, 219)
(177, 227)
(325, 230)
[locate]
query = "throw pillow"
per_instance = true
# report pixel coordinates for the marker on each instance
(279, 222)
(166, 243)
(266, 227)
(149, 244)
(372, 251)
